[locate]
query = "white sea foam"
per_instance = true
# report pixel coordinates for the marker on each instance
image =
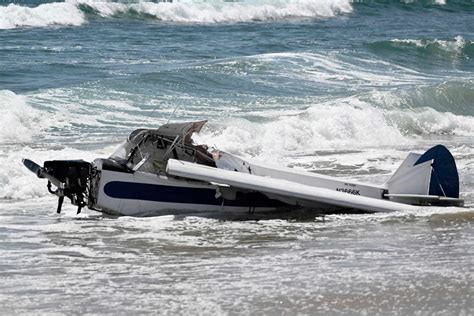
(324, 126)
(427, 121)
(102, 8)
(18, 120)
(456, 45)
(70, 107)
(16, 182)
(339, 69)
(26, 118)
(421, 212)
(336, 125)
(211, 12)
(222, 11)
(61, 14)
(69, 13)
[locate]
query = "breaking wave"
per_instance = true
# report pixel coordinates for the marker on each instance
(19, 121)
(441, 50)
(48, 14)
(339, 125)
(351, 123)
(458, 45)
(221, 11)
(449, 96)
(73, 12)
(427, 121)
(16, 182)
(455, 45)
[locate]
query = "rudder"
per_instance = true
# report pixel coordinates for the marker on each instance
(426, 179)
(444, 173)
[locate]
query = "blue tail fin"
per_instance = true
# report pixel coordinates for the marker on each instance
(444, 176)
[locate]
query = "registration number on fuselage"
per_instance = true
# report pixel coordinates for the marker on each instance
(350, 191)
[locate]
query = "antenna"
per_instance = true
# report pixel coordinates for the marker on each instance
(172, 114)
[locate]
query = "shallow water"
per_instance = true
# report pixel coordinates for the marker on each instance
(396, 263)
(328, 86)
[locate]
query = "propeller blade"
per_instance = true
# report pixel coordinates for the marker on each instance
(32, 166)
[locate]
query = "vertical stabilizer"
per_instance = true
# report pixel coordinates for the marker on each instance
(431, 178)
(410, 177)
(444, 176)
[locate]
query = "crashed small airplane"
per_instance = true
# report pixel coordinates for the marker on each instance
(162, 171)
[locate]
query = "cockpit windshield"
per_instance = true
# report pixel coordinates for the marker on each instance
(148, 150)
(121, 152)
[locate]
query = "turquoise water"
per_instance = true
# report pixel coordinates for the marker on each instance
(339, 87)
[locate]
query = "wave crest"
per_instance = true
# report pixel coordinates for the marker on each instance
(17, 182)
(455, 46)
(216, 12)
(73, 12)
(59, 14)
(322, 126)
(18, 120)
(427, 121)
(345, 124)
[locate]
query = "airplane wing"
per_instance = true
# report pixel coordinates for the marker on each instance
(283, 188)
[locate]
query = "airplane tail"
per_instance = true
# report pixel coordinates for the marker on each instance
(426, 179)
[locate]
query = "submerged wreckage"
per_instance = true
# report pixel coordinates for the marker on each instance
(161, 171)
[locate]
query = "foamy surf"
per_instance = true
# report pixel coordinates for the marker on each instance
(19, 121)
(331, 93)
(427, 121)
(17, 182)
(74, 12)
(48, 14)
(337, 125)
(244, 11)
(337, 68)
(455, 45)
(321, 127)
(221, 11)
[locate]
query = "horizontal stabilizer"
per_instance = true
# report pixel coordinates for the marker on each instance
(282, 188)
(419, 199)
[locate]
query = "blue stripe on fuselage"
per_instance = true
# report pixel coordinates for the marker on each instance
(173, 194)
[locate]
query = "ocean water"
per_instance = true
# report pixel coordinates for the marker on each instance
(339, 87)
